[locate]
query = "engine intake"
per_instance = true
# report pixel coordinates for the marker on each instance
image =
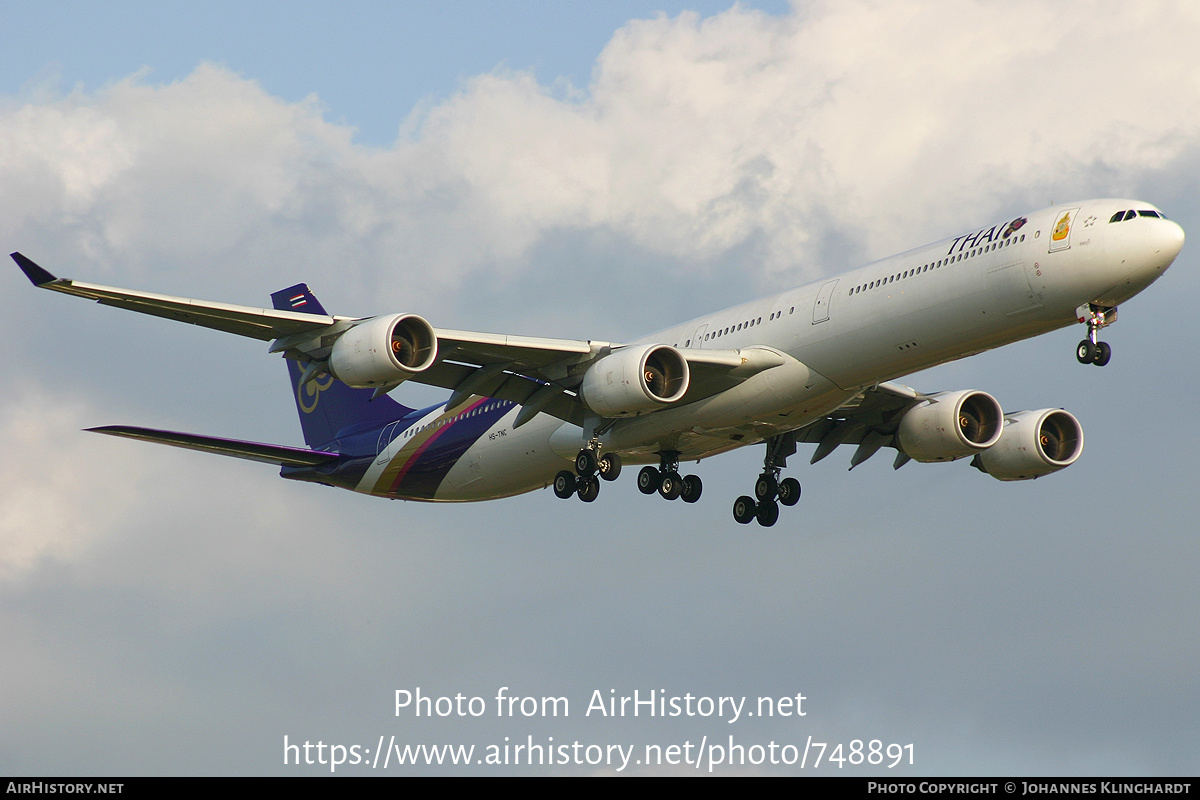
(1034, 443)
(950, 425)
(635, 379)
(383, 351)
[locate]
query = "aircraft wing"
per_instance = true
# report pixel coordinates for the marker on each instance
(542, 375)
(257, 323)
(539, 374)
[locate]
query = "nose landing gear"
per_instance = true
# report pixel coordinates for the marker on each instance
(1089, 350)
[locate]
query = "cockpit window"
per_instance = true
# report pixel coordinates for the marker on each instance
(1121, 216)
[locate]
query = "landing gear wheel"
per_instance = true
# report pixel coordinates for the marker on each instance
(692, 487)
(789, 491)
(585, 462)
(589, 488)
(1086, 352)
(744, 509)
(648, 480)
(768, 513)
(670, 485)
(1103, 354)
(609, 466)
(564, 484)
(765, 488)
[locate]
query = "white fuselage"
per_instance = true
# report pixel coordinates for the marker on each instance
(934, 304)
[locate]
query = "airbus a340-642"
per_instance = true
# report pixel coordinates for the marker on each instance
(809, 365)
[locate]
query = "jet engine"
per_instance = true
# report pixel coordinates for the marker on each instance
(383, 351)
(950, 425)
(635, 379)
(1034, 443)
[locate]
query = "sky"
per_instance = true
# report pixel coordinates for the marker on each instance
(590, 171)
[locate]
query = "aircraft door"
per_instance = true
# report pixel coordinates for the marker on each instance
(821, 307)
(698, 336)
(1060, 235)
(1010, 288)
(384, 447)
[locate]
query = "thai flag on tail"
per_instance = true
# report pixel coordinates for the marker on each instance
(297, 298)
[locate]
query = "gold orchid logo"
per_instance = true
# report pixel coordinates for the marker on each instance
(1063, 228)
(309, 392)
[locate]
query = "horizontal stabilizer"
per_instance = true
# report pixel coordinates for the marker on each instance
(253, 451)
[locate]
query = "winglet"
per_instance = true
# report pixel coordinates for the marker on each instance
(36, 274)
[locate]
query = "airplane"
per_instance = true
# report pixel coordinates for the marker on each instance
(816, 364)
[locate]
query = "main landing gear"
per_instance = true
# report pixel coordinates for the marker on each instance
(589, 469)
(667, 482)
(769, 488)
(1089, 350)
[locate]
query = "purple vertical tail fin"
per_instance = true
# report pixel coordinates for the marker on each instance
(329, 408)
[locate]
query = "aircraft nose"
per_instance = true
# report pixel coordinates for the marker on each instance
(1167, 240)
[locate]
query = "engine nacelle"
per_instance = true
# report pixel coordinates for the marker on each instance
(950, 425)
(1034, 443)
(635, 379)
(383, 351)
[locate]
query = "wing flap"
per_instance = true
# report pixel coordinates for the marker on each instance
(528, 351)
(869, 420)
(875, 409)
(505, 385)
(280, 455)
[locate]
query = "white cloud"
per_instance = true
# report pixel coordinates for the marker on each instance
(52, 505)
(696, 137)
